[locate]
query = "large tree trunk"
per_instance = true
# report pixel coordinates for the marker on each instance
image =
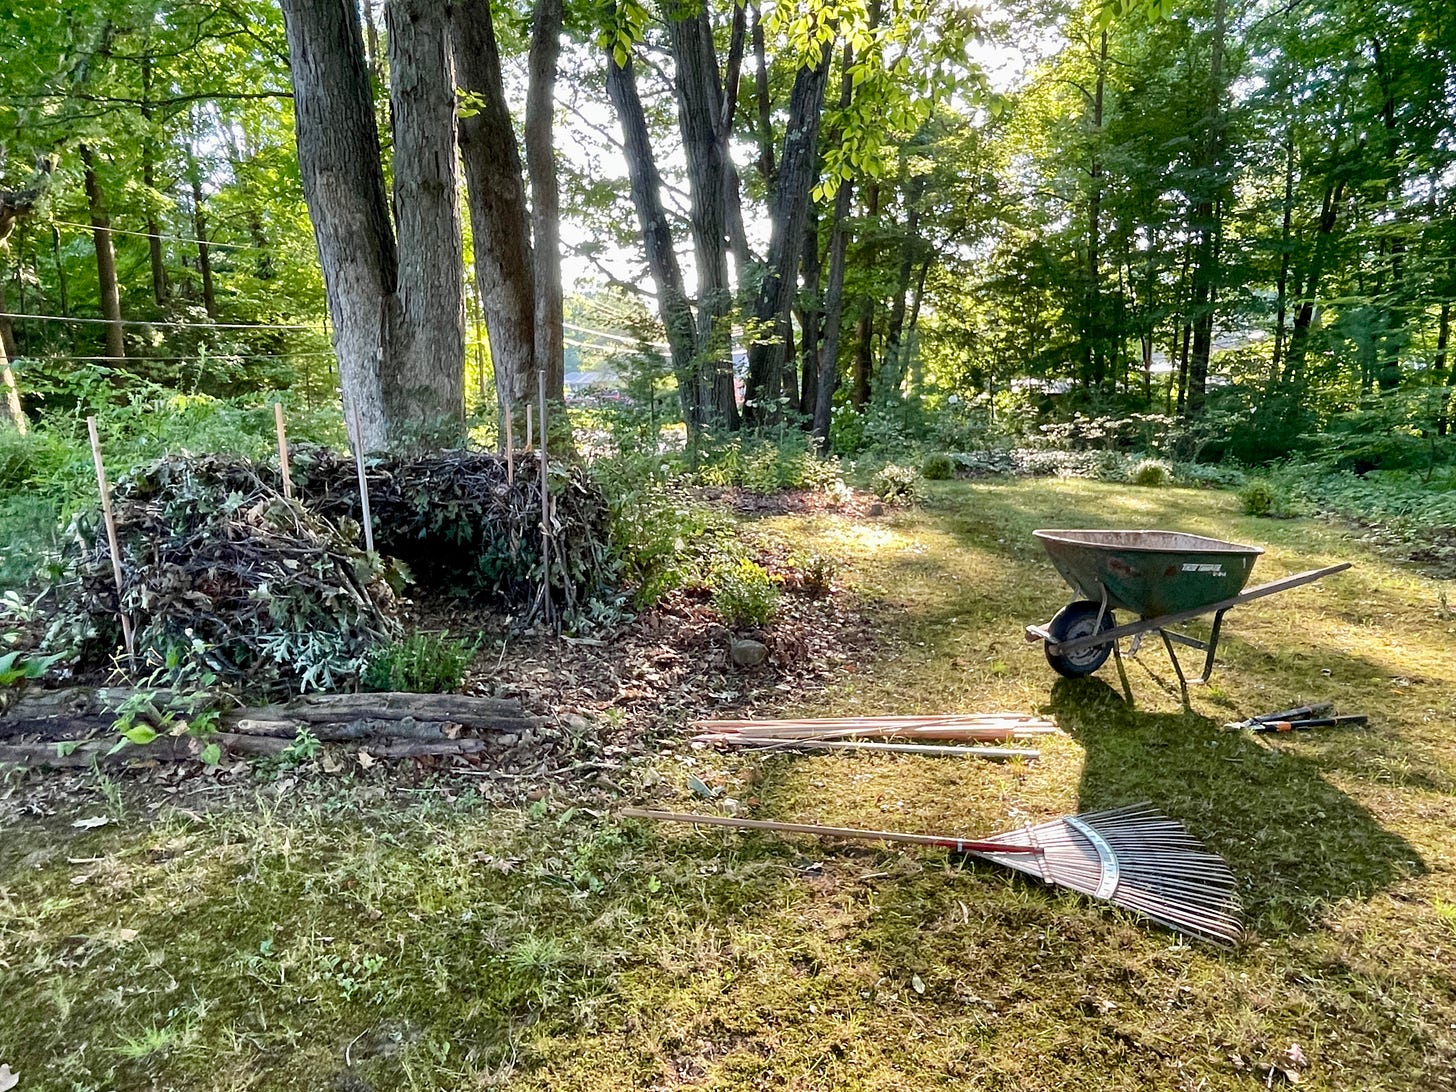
(732, 198)
(700, 106)
(646, 186)
(764, 127)
(105, 258)
(1094, 362)
(546, 193)
(1309, 296)
(864, 330)
(14, 414)
(893, 366)
(424, 393)
(343, 184)
(499, 219)
(792, 194)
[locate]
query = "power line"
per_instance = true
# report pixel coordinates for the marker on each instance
(160, 322)
(159, 235)
(21, 357)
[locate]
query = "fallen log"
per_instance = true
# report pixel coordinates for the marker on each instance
(84, 712)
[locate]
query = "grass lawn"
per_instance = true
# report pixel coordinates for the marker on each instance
(330, 935)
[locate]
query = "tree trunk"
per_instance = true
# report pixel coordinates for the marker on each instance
(732, 185)
(1206, 215)
(810, 315)
(424, 393)
(546, 193)
(499, 220)
(14, 413)
(199, 227)
(892, 365)
(764, 129)
(1093, 353)
(343, 184)
(1282, 290)
(105, 258)
(149, 184)
(833, 317)
(1304, 316)
(864, 332)
(700, 109)
(795, 181)
(1443, 341)
(917, 295)
(646, 187)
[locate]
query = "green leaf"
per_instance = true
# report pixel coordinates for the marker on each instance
(140, 735)
(211, 754)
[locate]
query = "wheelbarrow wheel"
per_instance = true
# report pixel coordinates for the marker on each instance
(1075, 620)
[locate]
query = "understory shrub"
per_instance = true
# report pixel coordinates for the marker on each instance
(1259, 498)
(744, 594)
(765, 466)
(938, 467)
(422, 663)
(1151, 472)
(896, 484)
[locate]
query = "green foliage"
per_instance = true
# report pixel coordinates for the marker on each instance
(895, 484)
(938, 467)
(422, 663)
(1151, 472)
(763, 465)
(660, 537)
(815, 575)
(744, 594)
(17, 667)
(1260, 498)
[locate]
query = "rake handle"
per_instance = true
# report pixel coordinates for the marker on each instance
(960, 845)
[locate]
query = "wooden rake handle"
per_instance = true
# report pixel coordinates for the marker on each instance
(960, 845)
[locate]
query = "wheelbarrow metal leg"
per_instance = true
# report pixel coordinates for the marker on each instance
(1177, 668)
(1212, 648)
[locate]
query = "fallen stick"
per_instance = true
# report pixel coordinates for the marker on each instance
(985, 735)
(109, 519)
(1001, 753)
(1027, 725)
(358, 445)
(282, 450)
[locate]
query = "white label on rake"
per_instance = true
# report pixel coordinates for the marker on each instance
(1200, 567)
(1108, 884)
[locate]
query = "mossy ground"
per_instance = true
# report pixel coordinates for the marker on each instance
(332, 937)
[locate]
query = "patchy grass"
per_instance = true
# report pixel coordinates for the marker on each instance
(329, 937)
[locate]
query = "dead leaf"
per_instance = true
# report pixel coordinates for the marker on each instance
(366, 760)
(126, 936)
(330, 763)
(8, 1080)
(1291, 1062)
(917, 984)
(92, 823)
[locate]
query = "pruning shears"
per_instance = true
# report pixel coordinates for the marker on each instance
(1297, 719)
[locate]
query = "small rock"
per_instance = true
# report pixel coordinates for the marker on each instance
(746, 653)
(876, 509)
(574, 722)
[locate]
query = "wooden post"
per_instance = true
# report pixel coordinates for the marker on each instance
(110, 520)
(510, 451)
(528, 425)
(358, 445)
(283, 450)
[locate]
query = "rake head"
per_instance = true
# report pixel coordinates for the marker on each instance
(1133, 857)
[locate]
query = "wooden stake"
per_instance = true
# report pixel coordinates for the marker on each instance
(510, 451)
(283, 450)
(764, 743)
(363, 481)
(110, 520)
(528, 426)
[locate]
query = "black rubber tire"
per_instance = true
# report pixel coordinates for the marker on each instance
(1073, 621)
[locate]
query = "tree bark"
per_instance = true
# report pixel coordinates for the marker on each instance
(546, 193)
(499, 219)
(1093, 354)
(792, 194)
(1304, 316)
(833, 314)
(810, 316)
(700, 108)
(424, 392)
(14, 412)
(893, 365)
(1206, 215)
(105, 258)
(1282, 289)
(149, 184)
(646, 186)
(199, 227)
(343, 184)
(732, 185)
(864, 332)
(764, 128)
(1443, 341)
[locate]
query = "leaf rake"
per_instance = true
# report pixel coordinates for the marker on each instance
(1133, 857)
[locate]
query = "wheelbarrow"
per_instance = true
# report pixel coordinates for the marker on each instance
(1165, 578)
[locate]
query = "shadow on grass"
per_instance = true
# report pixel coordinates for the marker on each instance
(1297, 843)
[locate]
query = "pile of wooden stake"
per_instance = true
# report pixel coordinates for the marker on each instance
(910, 735)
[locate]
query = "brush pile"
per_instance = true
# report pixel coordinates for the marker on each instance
(221, 574)
(467, 526)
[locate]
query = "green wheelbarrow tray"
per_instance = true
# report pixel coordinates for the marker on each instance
(1162, 577)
